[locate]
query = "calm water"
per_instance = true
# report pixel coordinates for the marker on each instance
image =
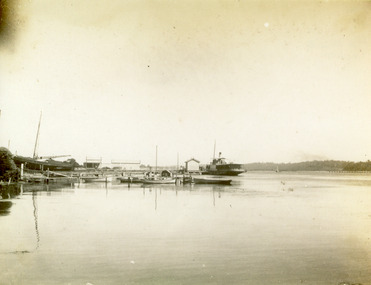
(266, 228)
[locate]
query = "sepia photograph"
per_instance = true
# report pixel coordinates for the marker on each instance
(163, 142)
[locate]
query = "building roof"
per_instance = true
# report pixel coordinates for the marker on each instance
(90, 160)
(125, 161)
(192, 159)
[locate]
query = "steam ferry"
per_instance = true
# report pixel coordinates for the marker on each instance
(219, 166)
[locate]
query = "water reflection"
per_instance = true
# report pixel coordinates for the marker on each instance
(48, 188)
(10, 191)
(35, 214)
(215, 191)
(5, 207)
(168, 234)
(7, 193)
(156, 199)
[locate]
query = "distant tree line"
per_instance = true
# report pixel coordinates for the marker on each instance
(358, 166)
(327, 165)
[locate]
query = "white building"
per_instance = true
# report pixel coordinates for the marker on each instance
(122, 165)
(192, 165)
(125, 164)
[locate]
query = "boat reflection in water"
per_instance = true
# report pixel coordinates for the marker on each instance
(165, 190)
(19, 192)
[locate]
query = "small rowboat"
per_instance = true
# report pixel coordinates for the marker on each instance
(213, 180)
(158, 181)
(93, 179)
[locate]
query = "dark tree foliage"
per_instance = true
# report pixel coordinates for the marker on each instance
(73, 162)
(8, 169)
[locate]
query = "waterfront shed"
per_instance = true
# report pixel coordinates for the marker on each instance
(192, 165)
(166, 173)
(93, 163)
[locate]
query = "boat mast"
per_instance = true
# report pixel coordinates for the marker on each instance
(156, 160)
(214, 149)
(37, 139)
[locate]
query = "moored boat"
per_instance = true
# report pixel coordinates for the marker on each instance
(158, 181)
(199, 179)
(211, 180)
(93, 178)
(219, 166)
(43, 163)
(39, 164)
(166, 176)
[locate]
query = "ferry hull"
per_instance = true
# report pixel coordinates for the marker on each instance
(223, 172)
(219, 167)
(212, 181)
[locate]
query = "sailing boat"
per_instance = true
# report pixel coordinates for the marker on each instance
(158, 179)
(42, 163)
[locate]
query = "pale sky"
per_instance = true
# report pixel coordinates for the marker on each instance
(268, 81)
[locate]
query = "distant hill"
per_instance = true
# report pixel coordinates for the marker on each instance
(327, 165)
